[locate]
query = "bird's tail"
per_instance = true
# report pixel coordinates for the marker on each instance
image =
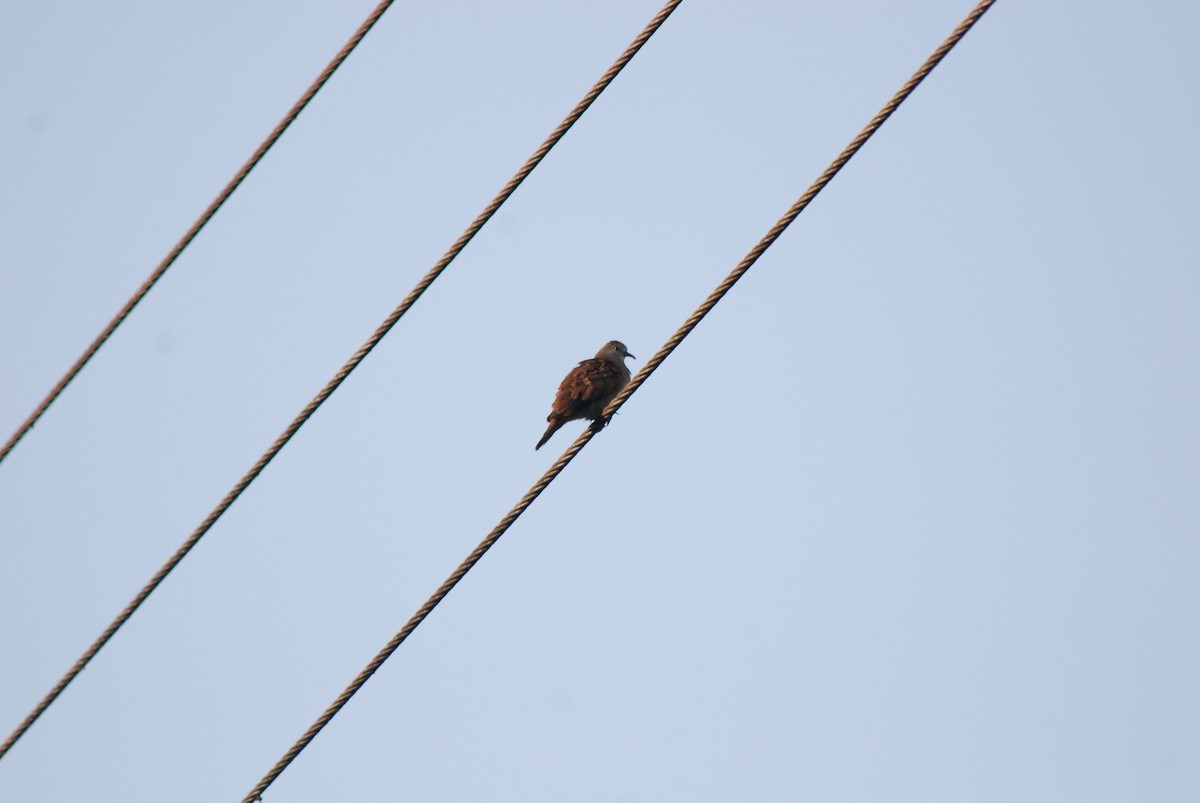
(555, 424)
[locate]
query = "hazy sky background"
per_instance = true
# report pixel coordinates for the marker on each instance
(912, 516)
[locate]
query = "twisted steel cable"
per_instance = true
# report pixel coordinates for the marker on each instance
(345, 370)
(191, 233)
(622, 397)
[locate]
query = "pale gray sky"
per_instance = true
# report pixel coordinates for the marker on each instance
(912, 516)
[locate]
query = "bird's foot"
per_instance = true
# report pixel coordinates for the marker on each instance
(599, 424)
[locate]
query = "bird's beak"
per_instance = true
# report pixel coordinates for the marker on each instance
(627, 354)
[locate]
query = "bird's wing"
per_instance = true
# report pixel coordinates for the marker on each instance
(590, 383)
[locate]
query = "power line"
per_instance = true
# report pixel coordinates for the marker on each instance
(191, 233)
(345, 370)
(629, 390)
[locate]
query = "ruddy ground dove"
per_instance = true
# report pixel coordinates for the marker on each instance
(588, 389)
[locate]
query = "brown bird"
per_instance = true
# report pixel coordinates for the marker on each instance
(588, 389)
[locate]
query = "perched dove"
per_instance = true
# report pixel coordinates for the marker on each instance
(589, 388)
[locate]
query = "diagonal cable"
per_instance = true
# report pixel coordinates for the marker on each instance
(345, 370)
(630, 389)
(191, 233)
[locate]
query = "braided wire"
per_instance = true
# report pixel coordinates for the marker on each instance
(418, 617)
(345, 370)
(621, 398)
(798, 207)
(190, 235)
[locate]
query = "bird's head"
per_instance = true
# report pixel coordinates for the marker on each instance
(614, 351)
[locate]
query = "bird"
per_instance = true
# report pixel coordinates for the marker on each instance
(588, 388)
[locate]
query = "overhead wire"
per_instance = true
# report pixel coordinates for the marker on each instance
(636, 382)
(346, 369)
(191, 233)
